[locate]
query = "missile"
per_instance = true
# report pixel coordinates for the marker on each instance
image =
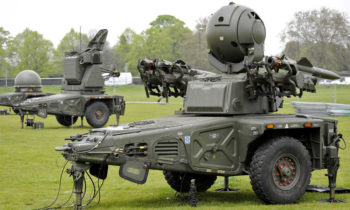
(303, 65)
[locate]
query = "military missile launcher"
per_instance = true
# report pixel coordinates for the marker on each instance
(226, 127)
(166, 79)
(82, 90)
(27, 85)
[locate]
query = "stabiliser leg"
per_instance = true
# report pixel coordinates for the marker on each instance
(22, 120)
(118, 118)
(21, 115)
(332, 169)
(77, 172)
(71, 121)
(226, 188)
(193, 193)
(82, 121)
(78, 179)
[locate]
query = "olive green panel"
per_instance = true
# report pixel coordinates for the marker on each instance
(222, 97)
(214, 148)
(73, 72)
(93, 78)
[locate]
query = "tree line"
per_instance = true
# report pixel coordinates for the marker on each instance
(321, 35)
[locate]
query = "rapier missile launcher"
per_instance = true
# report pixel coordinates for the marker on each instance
(226, 127)
(27, 85)
(82, 90)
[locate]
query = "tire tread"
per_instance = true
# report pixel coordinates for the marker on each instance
(257, 177)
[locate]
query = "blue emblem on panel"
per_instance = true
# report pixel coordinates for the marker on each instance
(187, 139)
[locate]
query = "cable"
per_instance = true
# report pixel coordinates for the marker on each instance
(94, 191)
(63, 205)
(98, 184)
(99, 194)
(340, 137)
(59, 189)
(84, 186)
(95, 147)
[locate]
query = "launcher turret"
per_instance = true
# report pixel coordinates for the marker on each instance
(250, 82)
(83, 70)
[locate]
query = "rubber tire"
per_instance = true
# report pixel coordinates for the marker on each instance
(262, 164)
(90, 114)
(66, 120)
(181, 181)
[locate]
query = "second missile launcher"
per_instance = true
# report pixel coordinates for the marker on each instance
(82, 90)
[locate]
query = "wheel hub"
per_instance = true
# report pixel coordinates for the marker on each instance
(286, 172)
(99, 114)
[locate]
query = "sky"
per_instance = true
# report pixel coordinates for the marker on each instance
(55, 18)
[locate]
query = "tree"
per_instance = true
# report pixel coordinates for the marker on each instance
(321, 35)
(164, 37)
(108, 58)
(4, 39)
(122, 50)
(29, 50)
(161, 40)
(163, 21)
(193, 49)
(72, 41)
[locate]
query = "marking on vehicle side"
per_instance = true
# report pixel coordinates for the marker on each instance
(295, 126)
(187, 139)
(214, 135)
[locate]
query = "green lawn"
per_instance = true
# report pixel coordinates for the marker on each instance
(30, 167)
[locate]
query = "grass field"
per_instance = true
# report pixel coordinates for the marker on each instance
(30, 168)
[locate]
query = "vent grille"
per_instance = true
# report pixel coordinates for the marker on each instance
(169, 148)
